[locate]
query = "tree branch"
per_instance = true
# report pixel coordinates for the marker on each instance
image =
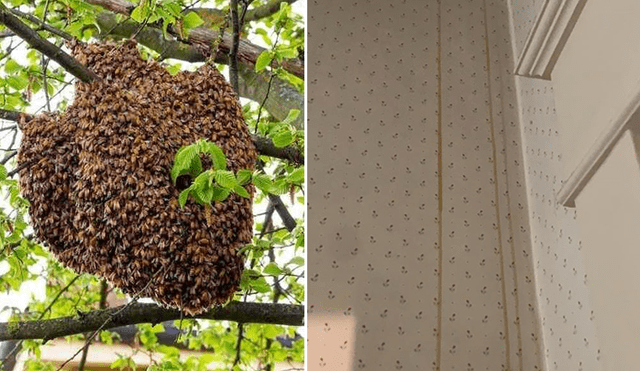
(265, 146)
(281, 314)
(282, 210)
(247, 52)
(282, 98)
(235, 40)
(11, 115)
(118, 6)
(41, 23)
(44, 46)
(271, 7)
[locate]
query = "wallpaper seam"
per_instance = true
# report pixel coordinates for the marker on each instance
(542, 340)
(497, 195)
(440, 190)
(507, 183)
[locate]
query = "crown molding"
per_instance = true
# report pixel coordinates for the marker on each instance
(547, 37)
(628, 119)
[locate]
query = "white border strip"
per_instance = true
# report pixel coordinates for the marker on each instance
(598, 152)
(548, 37)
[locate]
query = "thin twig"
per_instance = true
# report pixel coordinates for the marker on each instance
(45, 63)
(55, 299)
(42, 23)
(233, 53)
(239, 343)
(106, 322)
(8, 157)
(271, 77)
(17, 170)
(46, 10)
(44, 46)
(12, 127)
(267, 223)
(102, 304)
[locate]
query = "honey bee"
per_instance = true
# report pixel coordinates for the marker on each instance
(101, 197)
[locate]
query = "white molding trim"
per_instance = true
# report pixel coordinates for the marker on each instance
(599, 152)
(547, 37)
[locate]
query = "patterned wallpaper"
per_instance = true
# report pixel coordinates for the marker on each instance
(568, 325)
(524, 14)
(420, 249)
(563, 292)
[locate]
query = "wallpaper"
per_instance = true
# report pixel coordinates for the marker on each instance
(567, 317)
(420, 248)
(524, 14)
(568, 328)
(563, 295)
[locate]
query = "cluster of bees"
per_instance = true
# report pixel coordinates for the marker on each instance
(98, 179)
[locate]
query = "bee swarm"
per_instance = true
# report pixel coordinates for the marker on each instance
(98, 179)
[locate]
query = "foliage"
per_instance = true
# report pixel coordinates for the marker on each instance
(215, 184)
(32, 83)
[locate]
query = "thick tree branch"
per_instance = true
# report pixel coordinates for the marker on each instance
(118, 6)
(10, 115)
(263, 11)
(281, 314)
(212, 16)
(265, 146)
(247, 52)
(283, 97)
(45, 47)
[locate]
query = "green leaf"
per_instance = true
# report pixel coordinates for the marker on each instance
(202, 180)
(243, 176)
(174, 68)
(3, 172)
(291, 116)
(297, 260)
(262, 182)
(173, 8)
(264, 60)
(17, 82)
(218, 158)
(286, 53)
(296, 176)
(260, 285)
(220, 194)
(207, 194)
(186, 161)
(282, 138)
(280, 187)
(240, 190)
(226, 179)
(184, 195)
(272, 269)
(192, 20)
(138, 14)
(11, 66)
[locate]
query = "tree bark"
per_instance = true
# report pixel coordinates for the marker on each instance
(45, 47)
(247, 52)
(281, 314)
(283, 97)
(265, 146)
